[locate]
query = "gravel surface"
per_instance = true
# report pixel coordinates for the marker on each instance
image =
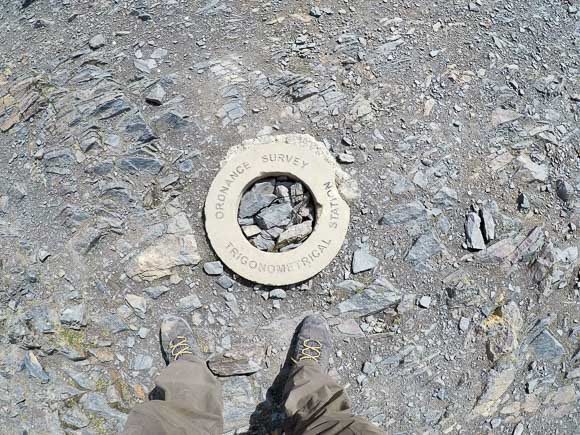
(454, 303)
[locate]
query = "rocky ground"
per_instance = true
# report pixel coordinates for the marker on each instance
(454, 303)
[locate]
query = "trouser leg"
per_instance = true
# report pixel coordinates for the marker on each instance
(316, 404)
(192, 406)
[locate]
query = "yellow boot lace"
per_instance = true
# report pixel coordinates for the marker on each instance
(310, 352)
(179, 348)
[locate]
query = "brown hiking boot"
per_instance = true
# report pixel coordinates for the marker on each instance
(178, 341)
(312, 343)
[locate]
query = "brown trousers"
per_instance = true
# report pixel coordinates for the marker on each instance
(315, 404)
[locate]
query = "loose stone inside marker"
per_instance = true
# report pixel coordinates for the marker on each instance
(277, 214)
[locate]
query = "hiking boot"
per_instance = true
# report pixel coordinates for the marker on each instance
(312, 343)
(178, 341)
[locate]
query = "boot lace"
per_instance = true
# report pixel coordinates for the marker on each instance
(311, 350)
(180, 347)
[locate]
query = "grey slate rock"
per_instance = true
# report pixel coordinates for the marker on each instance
(112, 323)
(251, 230)
(33, 366)
(263, 243)
(74, 418)
(73, 354)
(97, 42)
(142, 362)
(399, 184)
(369, 301)
(156, 291)
(531, 172)
(315, 12)
(350, 285)
(369, 368)
(143, 332)
(213, 268)
(225, 282)
(294, 234)
(189, 303)
(276, 215)
(423, 249)
(523, 202)
(140, 163)
(362, 380)
(97, 403)
(464, 323)
(170, 121)
(25, 3)
(58, 161)
(185, 166)
(425, 301)
(247, 221)
(414, 212)
(138, 304)
(109, 106)
(81, 379)
(84, 241)
(384, 50)
(261, 195)
(159, 53)
(488, 224)
(74, 317)
(103, 168)
(446, 197)
(277, 293)
(345, 158)
(546, 348)
(362, 260)
(42, 319)
(237, 363)
(156, 95)
(232, 304)
(473, 234)
(297, 192)
(564, 190)
(138, 129)
(145, 65)
(272, 233)
(141, 9)
(529, 246)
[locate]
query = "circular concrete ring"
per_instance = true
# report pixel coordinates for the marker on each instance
(238, 174)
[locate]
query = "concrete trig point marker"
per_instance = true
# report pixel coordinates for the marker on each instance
(297, 156)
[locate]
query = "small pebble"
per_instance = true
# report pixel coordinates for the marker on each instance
(425, 302)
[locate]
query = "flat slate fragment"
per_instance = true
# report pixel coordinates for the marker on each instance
(473, 234)
(274, 215)
(413, 212)
(362, 261)
(423, 249)
(213, 268)
(175, 248)
(261, 195)
(156, 291)
(546, 348)
(369, 301)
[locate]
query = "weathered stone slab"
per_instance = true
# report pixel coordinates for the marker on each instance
(175, 248)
